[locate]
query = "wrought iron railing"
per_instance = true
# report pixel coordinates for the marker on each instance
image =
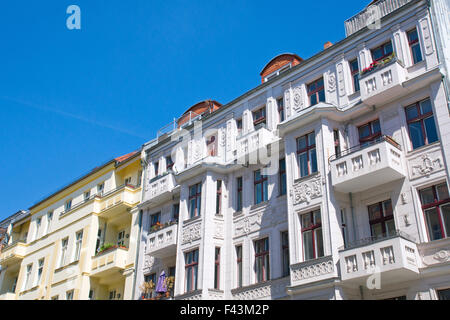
(374, 239)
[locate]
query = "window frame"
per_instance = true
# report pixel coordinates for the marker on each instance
(421, 118)
(191, 269)
(64, 248)
(262, 118)
(263, 181)
(219, 185)
(217, 268)
(313, 227)
(383, 46)
(263, 256)
(280, 109)
(383, 219)
(285, 263)
(316, 91)
(239, 194)
(372, 136)
(239, 265)
(282, 178)
(197, 197)
(437, 203)
(413, 43)
(308, 148)
(353, 73)
(78, 245)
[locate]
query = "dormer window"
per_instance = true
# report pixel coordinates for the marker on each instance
(259, 118)
(277, 72)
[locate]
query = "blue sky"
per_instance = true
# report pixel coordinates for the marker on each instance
(71, 100)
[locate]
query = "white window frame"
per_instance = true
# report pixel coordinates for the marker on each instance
(64, 245)
(121, 238)
(278, 71)
(40, 270)
(78, 243)
(49, 221)
(26, 283)
(38, 226)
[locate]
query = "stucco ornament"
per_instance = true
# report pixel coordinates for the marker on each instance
(307, 190)
(427, 166)
(297, 98)
(248, 224)
(442, 256)
(331, 82)
(287, 102)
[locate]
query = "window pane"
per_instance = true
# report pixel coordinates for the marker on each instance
(390, 227)
(377, 54)
(313, 158)
(311, 139)
(265, 190)
(412, 35)
(377, 230)
(387, 208)
(313, 99)
(374, 212)
(316, 217)
(258, 193)
(388, 48)
(364, 131)
(322, 95)
(416, 134)
(319, 242)
(430, 128)
(308, 245)
(442, 191)
(376, 127)
(416, 53)
(445, 212)
(434, 228)
(306, 221)
(301, 143)
(427, 196)
(426, 107)
(411, 112)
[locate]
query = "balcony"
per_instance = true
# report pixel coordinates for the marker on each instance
(312, 270)
(395, 258)
(371, 13)
(383, 82)
(364, 167)
(117, 200)
(163, 242)
(109, 262)
(252, 142)
(159, 189)
(13, 253)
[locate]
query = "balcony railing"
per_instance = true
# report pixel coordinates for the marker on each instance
(163, 241)
(373, 239)
(160, 187)
(312, 271)
(253, 141)
(109, 261)
(372, 13)
(13, 252)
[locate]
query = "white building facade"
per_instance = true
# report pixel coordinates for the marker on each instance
(328, 181)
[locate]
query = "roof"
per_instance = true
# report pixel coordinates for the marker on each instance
(202, 102)
(125, 157)
(293, 55)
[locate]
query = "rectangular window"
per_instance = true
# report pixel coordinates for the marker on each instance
(421, 125)
(262, 262)
(312, 235)
(78, 242)
(259, 118)
(414, 46)
(316, 92)
(217, 269)
(100, 188)
(239, 194)
(49, 221)
(306, 154)
(354, 69)
(369, 132)
(28, 277)
(155, 219)
(282, 177)
(156, 166)
(62, 260)
(261, 187)
(285, 253)
(211, 146)
(69, 295)
(139, 178)
(443, 294)
(280, 104)
(38, 226)
(344, 229)
(382, 52)
(436, 208)
(91, 295)
(337, 143)
(147, 278)
(40, 270)
(121, 239)
(239, 126)
(87, 195)
(195, 195)
(169, 163)
(172, 271)
(176, 211)
(219, 197)
(112, 294)
(239, 265)
(381, 219)
(68, 205)
(99, 240)
(127, 181)
(191, 270)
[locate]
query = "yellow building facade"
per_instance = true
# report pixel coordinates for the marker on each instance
(80, 242)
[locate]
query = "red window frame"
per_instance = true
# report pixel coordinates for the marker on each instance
(261, 182)
(312, 227)
(190, 267)
(383, 218)
(437, 203)
(316, 90)
(258, 119)
(219, 197)
(239, 265)
(355, 72)
(383, 47)
(372, 136)
(197, 196)
(239, 203)
(261, 255)
(306, 150)
(412, 43)
(280, 106)
(420, 118)
(217, 268)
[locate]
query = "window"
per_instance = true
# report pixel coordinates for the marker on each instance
(91, 295)
(239, 265)
(259, 118)
(99, 240)
(191, 269)
(172, 271)
(316, 92)
(78, 242)
(14, 285)
(414, 46)
(148, 278)
(176, 211)
(112, 294)
(260, 182)
(156, 166)
(436, 208)
(262, 267)
(306, 154)
(381, 219)
(219, 197)
(28, 277)
(282, 177)
(155, 218)
(69, 295)
(127, 181)
(312, 235)
(239, 194)
(383, 51)
(40, 269)
(421, 125)
(121, 238)
(280, 104)
(211, 146)
(139, 178)
(195, 194)
(239, 126)
(217, 269)
(62, 260)
(169, 163)
(443, 294)
(344, 226)
(285, 253)
(369, 132)
(337, 143)
(38, 226)
(100, 188)
(68, 205)
(49, 220)
(354, 69)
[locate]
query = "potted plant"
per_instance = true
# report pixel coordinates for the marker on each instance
(147, 288)
(170, 281)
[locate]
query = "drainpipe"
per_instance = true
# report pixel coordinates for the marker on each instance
(137, 256)
(352, 210)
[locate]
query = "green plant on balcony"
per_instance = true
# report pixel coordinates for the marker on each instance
(379, 63)
(147, 289)
(169, 282)
(107, 247)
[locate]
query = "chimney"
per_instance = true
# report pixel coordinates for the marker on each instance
(327, 45)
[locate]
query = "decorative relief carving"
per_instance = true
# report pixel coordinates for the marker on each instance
(432, 256)
(149, 262)
(191, 233)
(218, 231)
(341, 79)
(404, 198)
(256, 293)
(427, 166)
(248, 224)
(287, 102)
(297, 99)
(305, 191)
(442, 256)
(300, 272)
(426, 36)
(331, 82)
